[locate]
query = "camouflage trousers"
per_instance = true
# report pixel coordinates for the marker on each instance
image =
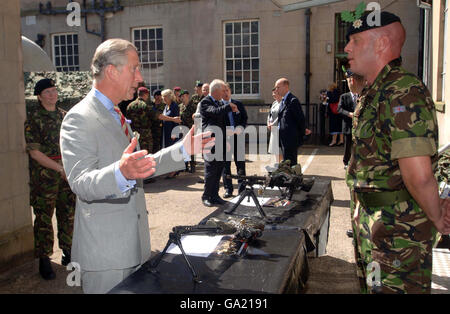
(393, 248)
(146, 140)
(52, 193)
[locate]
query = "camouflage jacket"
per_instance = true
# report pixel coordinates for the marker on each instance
(42, 130)
(195, 99)
(443, 169)
(394, 118)
(186, 113)
(139, 112)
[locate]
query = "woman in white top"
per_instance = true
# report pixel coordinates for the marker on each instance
(272, 125)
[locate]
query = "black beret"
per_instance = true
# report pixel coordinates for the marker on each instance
(361, 25)
(43, 84)
(184, 92)
(157, 93)
(198, 84)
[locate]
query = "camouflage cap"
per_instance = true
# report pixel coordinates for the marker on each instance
(43, 84)
(361, 25)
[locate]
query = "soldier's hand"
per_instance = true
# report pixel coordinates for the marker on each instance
(200, 143)
(133, 165)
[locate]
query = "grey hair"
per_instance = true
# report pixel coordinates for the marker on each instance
(215, 85)
(112, 51)
(168, 92)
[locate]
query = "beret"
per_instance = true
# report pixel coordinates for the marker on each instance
(157, 93)
(177, 88)
(43, 84)
(361, 25)
(143, 89)
(198, 84)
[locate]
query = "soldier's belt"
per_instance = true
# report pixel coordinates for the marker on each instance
(377, 199)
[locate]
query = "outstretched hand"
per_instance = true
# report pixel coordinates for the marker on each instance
(133, 165)
(200, 143)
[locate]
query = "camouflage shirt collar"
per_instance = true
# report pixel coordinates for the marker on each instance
(383, 74)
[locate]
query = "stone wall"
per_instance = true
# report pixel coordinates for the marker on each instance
(16, 231)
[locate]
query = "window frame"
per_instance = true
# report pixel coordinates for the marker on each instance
(242, 95)
(158, 83)
(75, 65)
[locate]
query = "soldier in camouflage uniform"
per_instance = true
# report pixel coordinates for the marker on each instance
(140, 114)
(157, 109)
(390, 173)
(48, 184)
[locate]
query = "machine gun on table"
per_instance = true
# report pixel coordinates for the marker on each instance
(243, 230)
(288, 183)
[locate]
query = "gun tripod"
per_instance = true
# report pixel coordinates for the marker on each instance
(175, 238)
(250, 193)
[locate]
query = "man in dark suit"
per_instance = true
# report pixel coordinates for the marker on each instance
(291, 122)
(346, 107)
(237, 121)
(214, 114)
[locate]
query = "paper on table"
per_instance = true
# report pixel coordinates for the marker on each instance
(246, 202)
(196, 245)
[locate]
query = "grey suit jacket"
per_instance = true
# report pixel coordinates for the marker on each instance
(111, 228)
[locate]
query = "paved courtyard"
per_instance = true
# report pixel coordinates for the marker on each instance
(178, 202)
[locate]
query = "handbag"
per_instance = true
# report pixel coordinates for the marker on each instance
(334, 107)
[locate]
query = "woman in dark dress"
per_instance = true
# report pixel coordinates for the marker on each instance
(170, 118)
(334, 117)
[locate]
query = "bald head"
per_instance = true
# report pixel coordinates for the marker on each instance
(370, 51)
(394, 36)
(282, 86)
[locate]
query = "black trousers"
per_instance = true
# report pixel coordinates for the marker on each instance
(289, 153)
(228, 183)
(347, 148)
(213, 172)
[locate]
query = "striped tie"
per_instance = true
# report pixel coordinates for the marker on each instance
(122, 122)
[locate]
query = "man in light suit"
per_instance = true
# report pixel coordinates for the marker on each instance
(111, 234)
(291, 122)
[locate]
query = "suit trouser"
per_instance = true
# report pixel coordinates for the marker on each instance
(289, 153)
(347, 148)
(239, 161)
(96, 282)
(228, 183)
(213, 172)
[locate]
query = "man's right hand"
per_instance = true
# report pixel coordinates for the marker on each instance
(133, 165)
(234, 107)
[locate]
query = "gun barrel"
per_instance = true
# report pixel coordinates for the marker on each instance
(249, 178)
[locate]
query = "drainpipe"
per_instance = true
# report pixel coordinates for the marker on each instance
(307, 63)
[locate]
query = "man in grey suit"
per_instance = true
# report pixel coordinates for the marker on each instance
(111, 236)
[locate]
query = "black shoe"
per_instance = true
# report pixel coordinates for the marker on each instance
(45, 268)
(228, 194)
(65, 260)
(207, 203)
(218, 200)
(186, 165)
(201, 181)
(349, 233)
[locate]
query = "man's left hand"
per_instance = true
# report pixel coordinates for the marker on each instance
(200, 143)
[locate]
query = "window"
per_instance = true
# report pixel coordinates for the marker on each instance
(149, 43)
(65, 52)
(242, 66)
